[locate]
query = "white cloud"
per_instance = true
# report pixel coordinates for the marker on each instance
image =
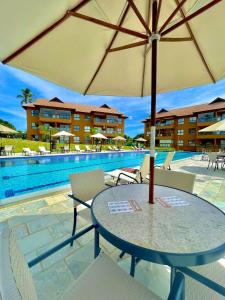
(12, 112)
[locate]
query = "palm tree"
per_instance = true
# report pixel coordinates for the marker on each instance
(26, 95)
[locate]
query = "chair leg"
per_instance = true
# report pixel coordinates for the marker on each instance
(132, 266)
(208, 164)
(122, 254)
(74, 223)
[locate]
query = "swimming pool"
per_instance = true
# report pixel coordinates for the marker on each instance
(24, 175)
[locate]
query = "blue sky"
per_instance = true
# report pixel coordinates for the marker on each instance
(13, 80)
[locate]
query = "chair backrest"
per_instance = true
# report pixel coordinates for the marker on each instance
(86, 185)
(66, 147)
(26, 150)
(16, 282)
(212, 156)
(144, 168)
(77, 147)
(8, 147)
(168, 160)
(87, 147)
(42, 148)
(174, 179)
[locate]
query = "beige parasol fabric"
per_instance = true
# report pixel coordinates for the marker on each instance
(63, 133)
(217, 127)
(72, 52)
(99, 136)
(141, 140)
(7, 130)
(119, 138)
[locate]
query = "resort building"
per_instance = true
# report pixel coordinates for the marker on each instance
(179, 128)
(80, 120)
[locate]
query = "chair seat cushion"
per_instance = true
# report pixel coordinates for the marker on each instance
(104, 279)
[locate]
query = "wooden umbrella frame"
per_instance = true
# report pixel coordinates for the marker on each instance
(151, 37)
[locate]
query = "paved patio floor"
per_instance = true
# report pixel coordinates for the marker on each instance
(40, 224)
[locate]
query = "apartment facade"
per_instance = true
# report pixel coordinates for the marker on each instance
(80, 120)
(179, 128)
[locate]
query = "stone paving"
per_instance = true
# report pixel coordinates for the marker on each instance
(41, 224)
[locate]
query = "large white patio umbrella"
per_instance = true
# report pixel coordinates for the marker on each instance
(119, 138)
(140, 139)
(99, 136)
(98, 48)
(217, 127)
(63, 134)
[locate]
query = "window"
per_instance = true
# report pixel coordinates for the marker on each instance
(180, 143)
(191, 142)
(181, 121)
(87, 117)
(34, 125)
(76, 139)
(87, 139)
(120, 120)
(180, 132)
(110, 130)
(192, 131)
(166, 143)
(119, 130)
(112, 119)
(77, 128)
(192, 120)
(87, 128)
(54, 113)
(166, 122)
(76, 117)
(34, 113)
(64, 127)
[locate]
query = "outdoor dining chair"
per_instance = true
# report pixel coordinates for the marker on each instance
(214, 160)
(102, 280)
(84, 186)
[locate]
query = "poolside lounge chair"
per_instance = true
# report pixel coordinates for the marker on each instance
(88, 149)
(103, 279)
(43, 150)
(178, 180)
(167, 161)
(126, 177)
(110, 148)
(115, 148)
(9, 149)
(65, 148)
(27, 152)
(213, 159)
(84, 186)
(77, 148)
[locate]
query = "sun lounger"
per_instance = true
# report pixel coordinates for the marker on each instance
(27, 152)
(77, 148)
(115, 148)
(65, 149)
(103, 279)
(110, 148)
(43, 150)
(167, 161)
(88, 149)
(120, 176)
(8, 149)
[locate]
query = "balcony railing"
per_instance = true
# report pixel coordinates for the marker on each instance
(210, 119)
(56, 116)
(165, 134)
(111, 121)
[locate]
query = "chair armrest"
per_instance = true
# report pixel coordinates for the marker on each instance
(177, 291)
(118, 179)
(80, 201)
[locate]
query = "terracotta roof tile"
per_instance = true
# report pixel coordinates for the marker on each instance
(77, 107)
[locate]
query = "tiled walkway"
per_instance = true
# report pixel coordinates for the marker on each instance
(45, 222)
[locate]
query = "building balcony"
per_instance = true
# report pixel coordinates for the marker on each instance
(164, 125)
(207, 121)
(105, 122)
(211, 135)
(55, 118)
(164, 136)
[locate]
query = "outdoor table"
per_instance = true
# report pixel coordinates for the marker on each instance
(177, 236)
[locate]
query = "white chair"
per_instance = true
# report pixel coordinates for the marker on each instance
(84, 186)
(27, 152)
(214, 160)
(77, 148)
(88, 149)
(9, 149)
(180, 180)
(42, 150)
(126, 177)
(167, 161)
(102, 280)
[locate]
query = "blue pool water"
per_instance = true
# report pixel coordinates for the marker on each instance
(19, 176)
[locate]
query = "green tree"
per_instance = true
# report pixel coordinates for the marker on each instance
(139, 135)
(26, 96)
(47, 131)
(7, 124)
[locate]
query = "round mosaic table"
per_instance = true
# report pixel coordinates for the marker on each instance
(191, 233)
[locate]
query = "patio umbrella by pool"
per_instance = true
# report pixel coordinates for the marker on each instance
(140, 140)
(217, 127)
(103, 49)
(99, 136)
(63, 134)
(6, 130)
(119, 138)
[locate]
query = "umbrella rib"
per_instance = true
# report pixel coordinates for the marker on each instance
(196, 45)
(145, 54)
(107, 49)
(191, 16)
(109, 25)
(184, 39)
(138, 14)
(44, 32)
(172, 15)
(158, 13)
(133, 45)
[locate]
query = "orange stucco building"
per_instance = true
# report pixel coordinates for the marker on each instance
(179, 128)
(81, 120)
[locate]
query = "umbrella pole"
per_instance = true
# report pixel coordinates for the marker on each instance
(154, 41)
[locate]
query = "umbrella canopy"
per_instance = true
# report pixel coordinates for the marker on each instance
(141, 140)
(119, 138)
(217, 127)
(62, 133)
(100, 45)
(99, 136)
(7, 130)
